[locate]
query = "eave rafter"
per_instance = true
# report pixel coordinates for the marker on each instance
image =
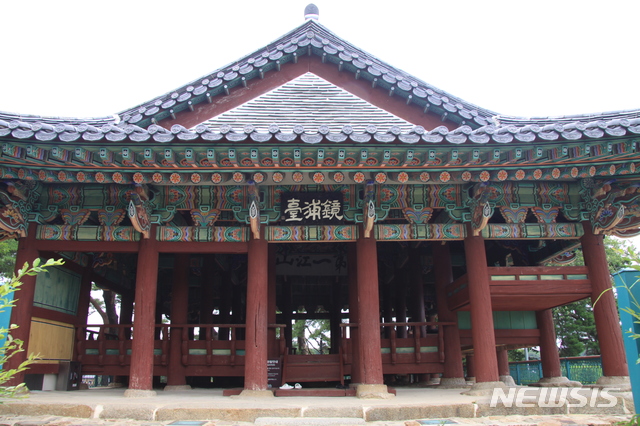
(198, 163)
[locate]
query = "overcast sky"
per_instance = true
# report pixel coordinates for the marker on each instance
(543, 58)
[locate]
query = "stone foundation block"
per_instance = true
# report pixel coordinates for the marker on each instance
(395, 413)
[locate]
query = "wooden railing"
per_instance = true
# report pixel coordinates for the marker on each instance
(107, 348)
(420, 335)
(100, 344)
(423, 347)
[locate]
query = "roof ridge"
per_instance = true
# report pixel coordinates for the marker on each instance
(310, 37)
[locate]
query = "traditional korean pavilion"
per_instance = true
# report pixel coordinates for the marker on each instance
(310, 180)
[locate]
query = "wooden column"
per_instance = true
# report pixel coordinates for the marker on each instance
(482, 333)
(176, 378)
(141, 373)
(271, 332)
(417, 311)
(369, 311)
(207, 303)
(614, 362)
(255, 370)
(22, 311)
(226, 304)
(126, 311)
(287, 309)
(471, 367)
(503, 362)
(452, 349)
(336, 315)
(357, 373)
(388, 303)
(401, 301)
(548, 347)
(238, 308)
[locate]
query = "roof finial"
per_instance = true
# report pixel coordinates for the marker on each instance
(311, 12)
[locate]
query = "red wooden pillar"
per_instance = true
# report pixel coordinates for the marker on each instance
(336, 316)
(503, 367)
(372, 385)
(482, 332)
(272, 316)
(176, 379)
(287, 316)
(417, 310)
(614, 363)
(255, 369)
(357, 372)
(471, 367)
(22, 311)
(548, 347)
(226, 304)
(207, 293)
(453, 372)
(141, 373)
(400, 282)
(503, 362)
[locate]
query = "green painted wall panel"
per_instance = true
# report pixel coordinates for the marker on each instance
(503, 320)
(58, 289)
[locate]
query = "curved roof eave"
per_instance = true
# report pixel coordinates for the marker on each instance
(555, 132)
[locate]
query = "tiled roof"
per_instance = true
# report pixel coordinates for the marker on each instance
(310, 38)
(53, 121)
(504, 120)
(312, 102)
(555, 131)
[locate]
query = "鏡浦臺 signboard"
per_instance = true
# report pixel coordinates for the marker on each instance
(311, 208)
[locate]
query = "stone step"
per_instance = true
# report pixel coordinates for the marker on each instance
(308, 421)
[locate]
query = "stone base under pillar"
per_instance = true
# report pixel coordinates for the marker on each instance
(373, 392)
(247, 393)
(139, 393)
(484, 388)
(179, 388)
(556, 382)
(621, 383)
(508, 381)
(452, 383)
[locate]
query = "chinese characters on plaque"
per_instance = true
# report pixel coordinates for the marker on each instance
(311, 208)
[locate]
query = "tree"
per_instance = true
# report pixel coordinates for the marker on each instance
(8, 250)
(106, 307)
(575, 324)
(12, 346)
(312, 336)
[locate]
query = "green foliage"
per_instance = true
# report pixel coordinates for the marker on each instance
(522, 354)
(516, 355)
(13, 346)
(8, 250)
